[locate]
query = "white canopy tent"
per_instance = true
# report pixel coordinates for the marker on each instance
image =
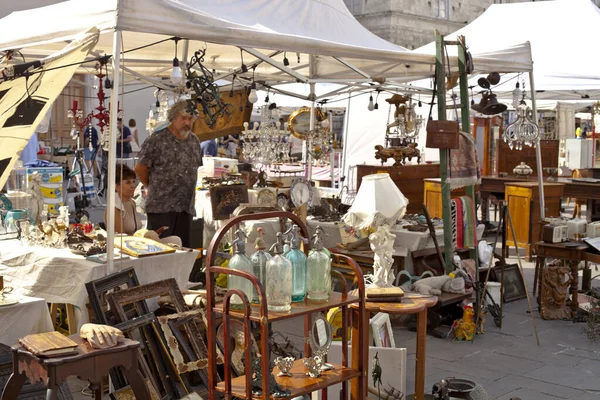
(332, 45)
(561, 33)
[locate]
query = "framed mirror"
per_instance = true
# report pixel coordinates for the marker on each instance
(320, 338)
(299, 121)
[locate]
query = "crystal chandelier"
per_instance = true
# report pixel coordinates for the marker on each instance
(320, 141)
(267, 143)
(406, 125)
(523, 131)
(156, 118)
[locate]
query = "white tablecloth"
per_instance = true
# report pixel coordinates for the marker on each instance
(30, 315)
(59, 276)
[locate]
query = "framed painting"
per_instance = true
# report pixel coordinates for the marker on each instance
(141, 247)
(224, 199)
(381, 329)
(238, 109)
(514, 287)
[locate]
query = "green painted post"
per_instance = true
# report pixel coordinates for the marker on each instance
(466, 120)
(444, 154)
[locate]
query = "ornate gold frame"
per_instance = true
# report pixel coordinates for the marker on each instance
(320, 116)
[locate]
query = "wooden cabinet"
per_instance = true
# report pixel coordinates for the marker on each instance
(352, 308)
(409, 180)
(508, 159)
(432, 194)
(487, 133)
(523, 199)
(61, 125)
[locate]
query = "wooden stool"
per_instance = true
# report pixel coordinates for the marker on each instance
(90, 364)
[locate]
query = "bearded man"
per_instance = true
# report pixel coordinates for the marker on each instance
(167, 166)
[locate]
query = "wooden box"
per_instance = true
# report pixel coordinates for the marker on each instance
(442, 134)
(523, 199)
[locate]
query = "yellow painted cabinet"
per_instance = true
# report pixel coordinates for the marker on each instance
(523, 199)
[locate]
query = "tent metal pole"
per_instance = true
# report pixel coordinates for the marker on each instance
(112, 155)
(311, 129)
(538, 151)
(344, 146)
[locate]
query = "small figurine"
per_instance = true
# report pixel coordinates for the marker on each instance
(262, 179)
(376, 374)
(275, 389)
(464, 328)
(237, 356)
(284, 365)
(35, 191)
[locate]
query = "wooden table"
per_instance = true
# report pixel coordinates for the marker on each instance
(417, 306)
(495, 185)
(91, 364)
(573, 255)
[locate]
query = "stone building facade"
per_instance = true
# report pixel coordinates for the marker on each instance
(411, 23)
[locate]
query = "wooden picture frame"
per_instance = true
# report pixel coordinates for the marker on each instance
(141, 247)
(97, 294)
(514, 287)
(239, 110)
(224, 199)
(146, 325)
(168, 287)
(174, 340)
(381, 330)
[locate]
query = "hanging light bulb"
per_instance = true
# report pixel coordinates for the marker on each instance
(253, 97)
(517, 93)
(371, 106)
(176, 72)
(325, 124)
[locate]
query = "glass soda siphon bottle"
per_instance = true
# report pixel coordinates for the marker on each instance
(278, 285)
(259, 262)
(240, 262)
(318, 270)
(298, 259)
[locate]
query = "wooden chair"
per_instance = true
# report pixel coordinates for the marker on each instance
(578, 203)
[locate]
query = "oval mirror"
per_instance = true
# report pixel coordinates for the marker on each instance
(321, 335)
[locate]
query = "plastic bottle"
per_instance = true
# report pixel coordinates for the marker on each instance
(240, 262)
(278, 285)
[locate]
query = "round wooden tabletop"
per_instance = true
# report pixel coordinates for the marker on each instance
(411, 304)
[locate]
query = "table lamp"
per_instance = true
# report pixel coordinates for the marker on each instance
(378, 204)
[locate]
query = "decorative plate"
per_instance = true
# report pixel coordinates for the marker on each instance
(301, 192)
(8, 302)
(266, 196)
